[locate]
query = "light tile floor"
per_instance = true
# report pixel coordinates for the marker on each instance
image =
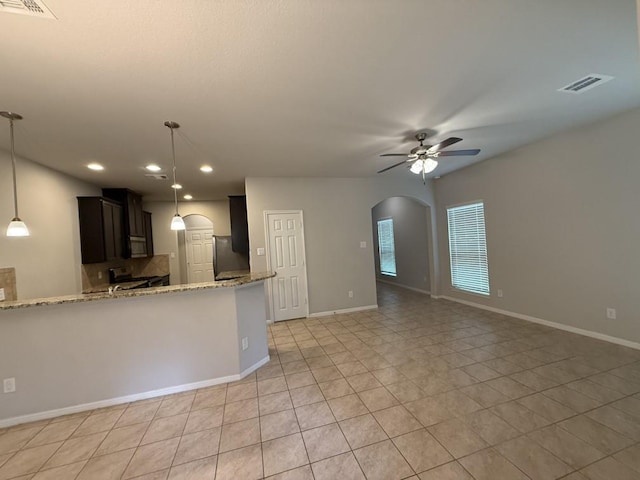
(418, 389)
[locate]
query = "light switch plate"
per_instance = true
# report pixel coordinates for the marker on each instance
(9, 385)
(1, 294)
(363, 244)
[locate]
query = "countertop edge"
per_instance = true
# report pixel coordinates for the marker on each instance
(142, 292)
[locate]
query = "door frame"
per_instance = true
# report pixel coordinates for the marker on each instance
(266, 214)
(186, 246)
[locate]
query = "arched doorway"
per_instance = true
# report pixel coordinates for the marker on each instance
(401, 240)
(195, 248)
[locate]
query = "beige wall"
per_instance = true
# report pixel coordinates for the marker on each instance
(337, 217)
(166, 241)
(411, 241)
(48, 262)
(563, 227)
(70, 355)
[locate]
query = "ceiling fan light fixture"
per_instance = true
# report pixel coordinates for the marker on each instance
(424, 166)
(416, 167)
(429, 165)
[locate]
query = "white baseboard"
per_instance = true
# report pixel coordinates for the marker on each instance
(254, 367)
(343, 310)
(34, 417)
(406, 287)
(548, 323)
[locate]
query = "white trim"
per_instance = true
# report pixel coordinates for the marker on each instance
(33, 417)
(407, 287)
(548, 323)
(343, 310)
(254, 367)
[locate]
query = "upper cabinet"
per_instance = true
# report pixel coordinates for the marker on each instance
(101, 235)
(148, 233)
(239, 224)
(132, 202)
(114, 226)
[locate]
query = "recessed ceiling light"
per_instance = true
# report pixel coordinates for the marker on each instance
(95, 167)
(153, 167)
(177, 186)
(188, 197)
(206, 169)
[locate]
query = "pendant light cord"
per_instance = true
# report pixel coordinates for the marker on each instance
(13, 164)
(175, 190)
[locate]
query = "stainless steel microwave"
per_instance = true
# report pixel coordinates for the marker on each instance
(138, 247)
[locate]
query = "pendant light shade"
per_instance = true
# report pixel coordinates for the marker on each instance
(16, 228)
(177, 223)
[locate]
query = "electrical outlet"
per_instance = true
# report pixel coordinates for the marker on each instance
(245, 343)
(611, 313)
(500, 295)
(172, 254)
(350, 293)
(1, 294)
(99, 275)
(260, 251)
(9, 385)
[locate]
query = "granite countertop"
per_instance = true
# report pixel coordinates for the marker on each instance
(232, 274)
(139, 292)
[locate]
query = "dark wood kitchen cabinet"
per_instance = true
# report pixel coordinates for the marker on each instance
(132, 202)
(239, 224)
(148, 233)
(101, 233)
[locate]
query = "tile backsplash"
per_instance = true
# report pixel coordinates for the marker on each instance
(140, 267)
(8, 282)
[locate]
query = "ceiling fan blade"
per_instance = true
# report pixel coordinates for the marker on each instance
(444, 144)
(459, 153)
(393, 166)
(394, 155)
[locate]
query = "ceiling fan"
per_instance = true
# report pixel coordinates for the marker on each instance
(422, 158)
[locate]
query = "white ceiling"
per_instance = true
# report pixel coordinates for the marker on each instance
(302, 87)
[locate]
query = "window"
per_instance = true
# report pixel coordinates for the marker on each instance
(468, 248)
(386, 247)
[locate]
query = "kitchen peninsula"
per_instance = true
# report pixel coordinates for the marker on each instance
(81, 352)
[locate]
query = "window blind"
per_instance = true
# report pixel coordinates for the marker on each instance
(386, 247)
(468, 248)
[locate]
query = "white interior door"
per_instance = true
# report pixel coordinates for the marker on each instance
(199, 245)
(287, 259)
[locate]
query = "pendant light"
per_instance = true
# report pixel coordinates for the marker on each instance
(177, 223)
(17, 227)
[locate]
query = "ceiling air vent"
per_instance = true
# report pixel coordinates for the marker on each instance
(156, 176)
(33, 8)
(587, 83)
